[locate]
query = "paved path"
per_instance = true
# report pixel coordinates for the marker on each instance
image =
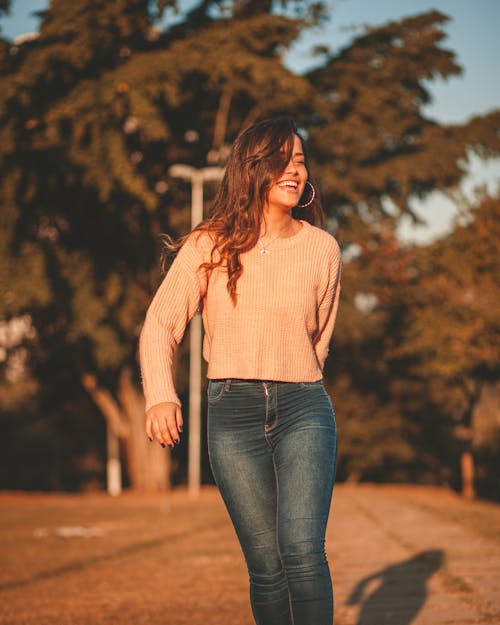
(399, 555)
(404, 556)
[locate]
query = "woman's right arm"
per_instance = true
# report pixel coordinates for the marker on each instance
(173, 305)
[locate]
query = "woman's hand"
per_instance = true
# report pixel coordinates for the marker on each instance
(164, 422)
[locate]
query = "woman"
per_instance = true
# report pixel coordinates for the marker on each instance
(268, 283)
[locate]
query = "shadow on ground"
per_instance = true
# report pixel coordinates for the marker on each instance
(401, 591)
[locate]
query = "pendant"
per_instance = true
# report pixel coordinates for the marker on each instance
(264, 251)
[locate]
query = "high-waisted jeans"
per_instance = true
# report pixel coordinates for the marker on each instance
(273, 448)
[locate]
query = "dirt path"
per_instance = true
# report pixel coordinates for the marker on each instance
(399, 556)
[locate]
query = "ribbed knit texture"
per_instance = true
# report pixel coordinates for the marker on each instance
(280, 328)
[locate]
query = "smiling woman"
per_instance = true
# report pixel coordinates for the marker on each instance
(283, 196)
(268, 283)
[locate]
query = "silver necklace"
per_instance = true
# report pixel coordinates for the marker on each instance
(265, 246)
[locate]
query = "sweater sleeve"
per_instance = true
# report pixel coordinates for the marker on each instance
(328, 306)
(171, 309)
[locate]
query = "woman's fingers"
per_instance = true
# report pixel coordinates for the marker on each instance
(179, 419)
(149, 427)
(160, 430)
(162, 423)
(172, 426)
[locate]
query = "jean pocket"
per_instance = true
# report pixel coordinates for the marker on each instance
(215, 390)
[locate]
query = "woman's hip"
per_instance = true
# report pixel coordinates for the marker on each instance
(263, 407)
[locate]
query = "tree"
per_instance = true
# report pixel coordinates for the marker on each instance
(375, 148)
(452, 327)
(59, 265)
(417, 354)
(95, 109)
(92, 112)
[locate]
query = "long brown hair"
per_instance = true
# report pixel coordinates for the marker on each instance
(258, 158)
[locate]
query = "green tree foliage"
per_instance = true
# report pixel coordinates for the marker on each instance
(376, 400)
(373, 142)
(95, 109)
(452, 326)
(417, 354)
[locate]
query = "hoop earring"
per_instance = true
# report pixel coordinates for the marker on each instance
(313, 195)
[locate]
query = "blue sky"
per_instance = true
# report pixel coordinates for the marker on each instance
(472, 34)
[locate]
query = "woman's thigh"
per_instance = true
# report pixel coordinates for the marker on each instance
(242, 464)
(305, 454)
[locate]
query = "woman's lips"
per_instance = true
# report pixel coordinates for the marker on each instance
(290, 186)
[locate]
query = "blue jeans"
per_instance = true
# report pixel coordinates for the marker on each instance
(272, 449)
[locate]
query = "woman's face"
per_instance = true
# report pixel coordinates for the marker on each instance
(286, 192)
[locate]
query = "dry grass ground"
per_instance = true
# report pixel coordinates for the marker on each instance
(399, 556)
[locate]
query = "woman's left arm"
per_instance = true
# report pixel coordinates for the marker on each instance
(328, 303)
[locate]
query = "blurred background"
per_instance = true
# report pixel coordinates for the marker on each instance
(399, 102)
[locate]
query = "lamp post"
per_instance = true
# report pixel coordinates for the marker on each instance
(196, 177)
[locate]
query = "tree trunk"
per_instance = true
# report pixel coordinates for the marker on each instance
(472, 389)
(221, 117)
(467, 466)
(113, 464)
(148, 464)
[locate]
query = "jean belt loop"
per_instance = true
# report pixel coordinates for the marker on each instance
(227, 385)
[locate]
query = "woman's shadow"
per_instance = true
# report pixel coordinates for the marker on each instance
(401, 593)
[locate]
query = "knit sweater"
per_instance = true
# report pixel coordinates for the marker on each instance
(279, 329)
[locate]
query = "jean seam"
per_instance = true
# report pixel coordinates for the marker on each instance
(278, 548)
(311, 385)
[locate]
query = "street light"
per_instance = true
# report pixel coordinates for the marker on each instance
(196, 177)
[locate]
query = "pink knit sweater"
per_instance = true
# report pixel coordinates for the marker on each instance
(280, 328)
